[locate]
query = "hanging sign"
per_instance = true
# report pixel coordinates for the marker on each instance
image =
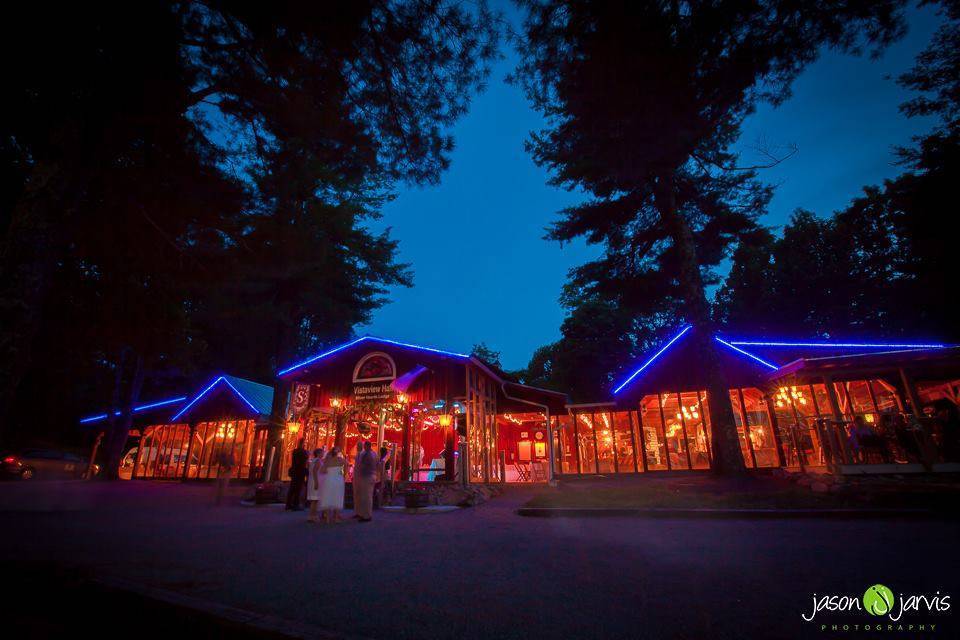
(375, 391)
(372, 377)
(301, 398)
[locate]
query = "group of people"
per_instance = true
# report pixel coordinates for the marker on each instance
(324, 477)
(895, 439)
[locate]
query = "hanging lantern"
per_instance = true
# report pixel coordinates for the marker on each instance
(446, 420)
(402, 398)
(335, 402)
(293, 427)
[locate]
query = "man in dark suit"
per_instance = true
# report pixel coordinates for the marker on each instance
(298, 475)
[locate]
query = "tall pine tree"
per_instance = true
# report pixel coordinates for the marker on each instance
(643, 101)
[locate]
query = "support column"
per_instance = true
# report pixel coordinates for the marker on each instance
(746, 427)
(775, 426)
(928, 453)
(551, 450)
(192, 430)
(405, 446)
(278, 424)
(837, 417)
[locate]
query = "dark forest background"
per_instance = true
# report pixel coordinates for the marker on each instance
(185, 187)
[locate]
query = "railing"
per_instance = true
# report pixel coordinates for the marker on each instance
(902, 440)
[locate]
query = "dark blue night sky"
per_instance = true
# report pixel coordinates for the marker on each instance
(483, 271)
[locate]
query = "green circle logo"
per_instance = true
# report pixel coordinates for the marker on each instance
(878, 600)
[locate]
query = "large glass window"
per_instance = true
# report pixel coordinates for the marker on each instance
(674, 417)
(797, 409)
(163, 451)
(603, 426)
(698, 435)
(738, 418)
(760, 430)
(586, 440)
(567, 445)
(651, 421)
(624, 442)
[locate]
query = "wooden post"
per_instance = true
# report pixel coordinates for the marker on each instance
(139, 458)
(706, 428)
(837, 417)
(93, 457)
(911, 392)
(686, 436)
(405, 445)
(449, 460)
(746, 426)
(551, 450)
(927, 450)
(643, 439)
(774, 424)
(663, 427)
(192, 430)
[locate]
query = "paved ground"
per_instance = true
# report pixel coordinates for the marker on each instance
(482, 572)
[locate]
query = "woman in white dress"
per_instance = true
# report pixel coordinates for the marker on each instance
(332, 486)
(314, 484)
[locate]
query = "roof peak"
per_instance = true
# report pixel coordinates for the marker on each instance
(350, 343)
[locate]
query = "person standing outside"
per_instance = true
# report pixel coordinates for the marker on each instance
(332, 471)
(364, 480)
(223, 477)
(314, 484)
(298, 475)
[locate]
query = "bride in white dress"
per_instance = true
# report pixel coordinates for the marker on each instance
(315, 484)
(332, 485)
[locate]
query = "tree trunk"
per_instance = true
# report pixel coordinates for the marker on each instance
(120, 431)
(727, 455)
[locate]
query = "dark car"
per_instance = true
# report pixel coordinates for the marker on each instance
(45, 464)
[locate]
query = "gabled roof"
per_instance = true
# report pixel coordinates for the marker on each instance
(256, 397)
(771, 355)
(931, 361)
(347, 345)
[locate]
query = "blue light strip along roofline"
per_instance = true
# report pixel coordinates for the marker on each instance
(746, 353)
(143, 407)
(346, 345)
(216, 381)
(242, 397)
(646, 364)
(836, 345)
(194, 401)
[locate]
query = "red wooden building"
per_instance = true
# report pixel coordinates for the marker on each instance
(446, 415)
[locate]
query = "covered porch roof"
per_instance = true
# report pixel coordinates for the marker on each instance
(924, 364)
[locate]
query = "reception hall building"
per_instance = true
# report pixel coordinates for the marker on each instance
(796, 405)
(840, 407)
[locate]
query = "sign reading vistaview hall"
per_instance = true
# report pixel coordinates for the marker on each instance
(372, 377)
(380, 391)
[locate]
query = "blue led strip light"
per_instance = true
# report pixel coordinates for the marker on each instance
(143, 407)
(194, 401)
(375, 339)
(835, 345)
(242, 397)
(652, 358)
(746, 353)
(207, 390)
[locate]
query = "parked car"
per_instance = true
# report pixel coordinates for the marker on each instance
(46, 464)
(157, 461)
